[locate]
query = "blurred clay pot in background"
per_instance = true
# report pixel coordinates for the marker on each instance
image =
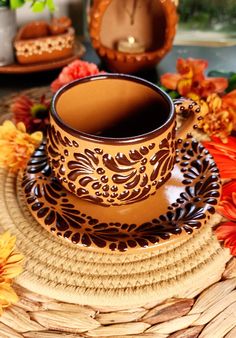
(131, 35)
(37, 41)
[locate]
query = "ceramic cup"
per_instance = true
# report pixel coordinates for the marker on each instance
(112, 137)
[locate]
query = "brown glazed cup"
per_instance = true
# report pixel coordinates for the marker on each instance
(112, 137)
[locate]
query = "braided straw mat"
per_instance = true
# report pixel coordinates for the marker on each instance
(68, 292)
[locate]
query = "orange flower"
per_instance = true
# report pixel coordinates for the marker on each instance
(229, 102)
(224, 155)
(227, 232)
(16, 145)
(220, 117)
(230, 99)
(10, 267)
(190, 80)
(227, 205)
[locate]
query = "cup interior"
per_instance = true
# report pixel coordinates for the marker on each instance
(113, 107)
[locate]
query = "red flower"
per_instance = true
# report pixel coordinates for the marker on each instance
(20, 109)
(224, 155)
(227, 205)
(190, 80)
(33, 114)
(75, 70)
(227, 233)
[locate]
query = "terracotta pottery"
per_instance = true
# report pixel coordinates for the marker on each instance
(17, 68)
(112, 137)
(178, 209)
(150, 23)
(34, 30)
(59, 25)
(44, 48)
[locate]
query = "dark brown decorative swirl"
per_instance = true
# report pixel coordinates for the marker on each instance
(191, 112)
(54, 208)
(96, 171)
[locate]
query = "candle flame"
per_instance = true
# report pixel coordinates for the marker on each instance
(131, 39)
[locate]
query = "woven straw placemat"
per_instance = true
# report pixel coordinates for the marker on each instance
(63, 271)
(122, 293)
(66, 292)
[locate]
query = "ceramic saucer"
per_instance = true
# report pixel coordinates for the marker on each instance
(179, 208)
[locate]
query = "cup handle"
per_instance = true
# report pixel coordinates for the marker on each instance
(192, 110)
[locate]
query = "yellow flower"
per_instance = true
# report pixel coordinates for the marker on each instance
(10, 267)
(16, 145)
(10, 261)
(7, 295)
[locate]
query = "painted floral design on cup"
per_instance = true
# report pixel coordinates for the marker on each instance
(121, 169)
(122, 177)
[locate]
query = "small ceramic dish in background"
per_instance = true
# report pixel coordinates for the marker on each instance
(34, 43)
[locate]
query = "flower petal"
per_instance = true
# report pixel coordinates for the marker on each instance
(7, 293)
(220, 84)
(199, 66)
(229, 99)
(16, 145)
(184, 68)
(228, 210)
(229, 188)
(170, 81)
(21, 127)
(75, 70)
(7, 243)
(11, 271)
(224, 154)
(227, 205)
(184, 86)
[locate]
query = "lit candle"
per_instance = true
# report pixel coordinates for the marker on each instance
(130, 45)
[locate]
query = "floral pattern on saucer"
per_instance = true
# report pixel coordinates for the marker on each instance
(50, 204)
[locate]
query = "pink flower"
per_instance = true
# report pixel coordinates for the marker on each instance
(75, 70)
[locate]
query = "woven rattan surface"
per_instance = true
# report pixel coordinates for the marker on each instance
(66, 292)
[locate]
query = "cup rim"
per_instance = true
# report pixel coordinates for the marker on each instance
(101, 139)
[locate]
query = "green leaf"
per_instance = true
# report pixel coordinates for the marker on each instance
(50, 5)
(173, 94)
(162, 87)
(38, 6)
(232, 83)
(16, 3)
(217, 73)
(4, 3)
